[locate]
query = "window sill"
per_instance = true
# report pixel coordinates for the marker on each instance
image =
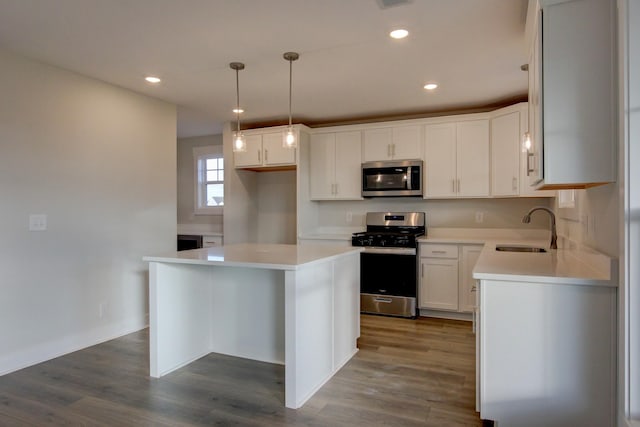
(213, 211)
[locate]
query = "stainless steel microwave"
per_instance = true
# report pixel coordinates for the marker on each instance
(396, 178)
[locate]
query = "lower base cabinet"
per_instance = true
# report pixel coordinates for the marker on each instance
(547, 354)
(446, 278)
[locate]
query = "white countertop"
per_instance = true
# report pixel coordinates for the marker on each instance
(560, 266)
(199, 229)
(256, 255)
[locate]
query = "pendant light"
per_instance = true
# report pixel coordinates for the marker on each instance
(289, 140)
(239, 142)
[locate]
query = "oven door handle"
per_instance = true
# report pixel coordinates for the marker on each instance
(384, 300)
(389, 251)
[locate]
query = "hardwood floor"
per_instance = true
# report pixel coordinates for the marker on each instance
(407, 373)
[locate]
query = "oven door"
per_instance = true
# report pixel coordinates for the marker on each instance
(388, 281)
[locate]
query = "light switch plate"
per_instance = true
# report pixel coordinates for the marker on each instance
(37, 222)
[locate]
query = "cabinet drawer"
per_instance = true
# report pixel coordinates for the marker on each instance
(210, 241)
(439, 251)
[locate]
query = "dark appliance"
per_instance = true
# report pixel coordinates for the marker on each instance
(389, 262)
(189, 241)
(392, 178)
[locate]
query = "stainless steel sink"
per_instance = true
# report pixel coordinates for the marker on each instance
(510, 248)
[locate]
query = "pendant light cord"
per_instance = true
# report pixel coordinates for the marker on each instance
(237, 66)
(238, 100)
(290, 56)
(290, 86)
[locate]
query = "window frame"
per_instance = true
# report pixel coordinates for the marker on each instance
(200, 156)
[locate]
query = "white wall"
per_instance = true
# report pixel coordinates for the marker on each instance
(185, 164)
(497, 213)
(594, 222)
(276, 207)
(100, 162)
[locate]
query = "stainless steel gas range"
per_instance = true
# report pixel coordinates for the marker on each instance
(389, 262)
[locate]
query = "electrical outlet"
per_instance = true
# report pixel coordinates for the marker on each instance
(37, 222)
(349, 217)
(479, 217)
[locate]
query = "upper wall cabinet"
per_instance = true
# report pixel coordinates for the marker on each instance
(505, 154)
(508, 160)
(572, 71)
(265, 150)
(457, 159)
(393, 143)
(335, 166)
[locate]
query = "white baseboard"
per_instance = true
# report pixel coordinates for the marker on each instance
(68, 344)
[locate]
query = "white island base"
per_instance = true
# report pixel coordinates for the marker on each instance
(286, 304)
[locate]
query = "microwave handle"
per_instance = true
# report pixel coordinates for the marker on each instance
(409, 186)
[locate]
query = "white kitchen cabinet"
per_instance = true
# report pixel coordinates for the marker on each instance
(393, 143)
(447, 281)
(472, 156)
(525, 189)
(457, 159)
(209, 241)
(335, 166)
(572, 74)
(547, 354)
(439, 277)
(505, 154)
(468, 289)
(264, 149)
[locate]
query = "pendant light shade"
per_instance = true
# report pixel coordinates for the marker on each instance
(289, 139)
(239, 142)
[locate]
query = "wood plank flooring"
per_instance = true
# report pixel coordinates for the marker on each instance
(407, 373)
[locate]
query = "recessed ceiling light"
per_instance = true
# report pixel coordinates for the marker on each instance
(398, 34)
(430, 86)
(152, 79)
(238, 110)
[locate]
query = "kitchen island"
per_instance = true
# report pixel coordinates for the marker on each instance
(285, 304)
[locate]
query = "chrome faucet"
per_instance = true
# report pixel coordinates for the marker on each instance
(554, 236)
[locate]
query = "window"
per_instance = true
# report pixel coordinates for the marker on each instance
(209, 180)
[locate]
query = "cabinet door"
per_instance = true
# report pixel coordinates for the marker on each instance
(377, 144)
(439, 283)
(440, 160)
(534, 155)
(348, 165)
(406, 143)
(472, 154)
(505, 154)
(253, 155)
(322, 156)
(274, 152)
(468, 289)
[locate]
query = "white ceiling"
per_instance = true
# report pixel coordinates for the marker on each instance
(348, 68)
